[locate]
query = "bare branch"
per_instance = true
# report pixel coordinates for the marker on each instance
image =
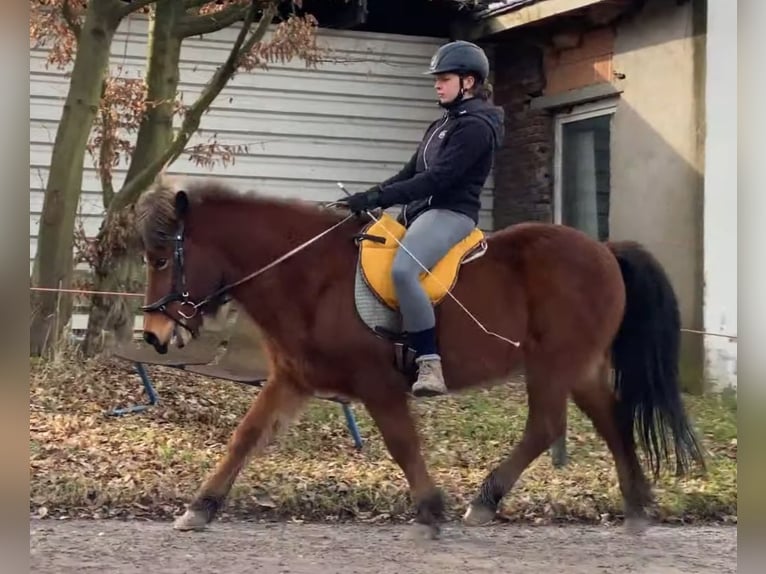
(71, 19)
(133, 6)
(194, 113)
(222, 76)
(224, 73)
(218, 6)
(121, 109)
(194, 3)
(105, 154)
(212, 153)
(209, 23)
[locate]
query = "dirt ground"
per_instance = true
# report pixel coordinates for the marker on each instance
(111, 546)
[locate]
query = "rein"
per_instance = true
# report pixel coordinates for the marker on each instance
(181, 294)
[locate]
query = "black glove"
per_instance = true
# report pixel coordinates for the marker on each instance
(362, 201)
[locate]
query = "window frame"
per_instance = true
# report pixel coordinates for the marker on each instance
(575, 113)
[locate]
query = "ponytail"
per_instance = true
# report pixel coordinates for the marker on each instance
(484, 91)
(481, 90)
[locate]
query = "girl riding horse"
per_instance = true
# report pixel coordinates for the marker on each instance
(439, 187)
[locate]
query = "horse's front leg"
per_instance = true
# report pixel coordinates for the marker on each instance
(272, 410)
(394, 420)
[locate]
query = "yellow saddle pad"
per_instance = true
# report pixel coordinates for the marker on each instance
(376, 259)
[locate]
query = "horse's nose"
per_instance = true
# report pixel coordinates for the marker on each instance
(154, 341)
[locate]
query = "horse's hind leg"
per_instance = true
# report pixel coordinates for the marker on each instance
(597, 400)
(394, 420)
(272, 410)
(546, 421)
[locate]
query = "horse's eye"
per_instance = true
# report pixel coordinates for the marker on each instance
(160, 264)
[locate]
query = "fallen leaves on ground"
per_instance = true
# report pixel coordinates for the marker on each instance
(84, 463)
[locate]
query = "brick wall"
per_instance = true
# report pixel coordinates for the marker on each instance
(523, 166)
(587, 63)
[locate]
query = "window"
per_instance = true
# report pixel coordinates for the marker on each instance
(582, 160)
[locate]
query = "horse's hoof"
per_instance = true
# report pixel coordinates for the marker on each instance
(191, 520)
(636, 525)
(422, 531)
(478, 515)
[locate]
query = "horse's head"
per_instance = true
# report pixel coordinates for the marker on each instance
(183, 273)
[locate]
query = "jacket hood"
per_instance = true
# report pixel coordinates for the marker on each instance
(495, 115)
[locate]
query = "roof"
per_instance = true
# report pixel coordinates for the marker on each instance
(488, 8)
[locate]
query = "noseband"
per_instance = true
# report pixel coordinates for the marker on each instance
(180, 293)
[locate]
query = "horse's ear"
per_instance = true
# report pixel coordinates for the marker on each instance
(182, 203)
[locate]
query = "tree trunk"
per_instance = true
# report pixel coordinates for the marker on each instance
(156, 131)
(118, 263)
(111, 319)
(53, 261)
(156, 142)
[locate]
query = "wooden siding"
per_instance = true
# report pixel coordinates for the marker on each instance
(355, 119)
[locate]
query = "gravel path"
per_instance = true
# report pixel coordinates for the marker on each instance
(126, 547)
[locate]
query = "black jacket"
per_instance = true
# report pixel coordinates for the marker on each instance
(451, 164)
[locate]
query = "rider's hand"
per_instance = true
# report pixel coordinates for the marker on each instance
(362, 201)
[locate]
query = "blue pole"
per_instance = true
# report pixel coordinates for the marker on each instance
(148, 387)
(151, 393)
(351, 422)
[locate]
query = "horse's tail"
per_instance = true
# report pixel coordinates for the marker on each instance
(645, 358)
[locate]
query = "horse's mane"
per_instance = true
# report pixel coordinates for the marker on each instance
(156, 216)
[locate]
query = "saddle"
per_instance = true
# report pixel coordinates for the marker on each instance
(377, 250)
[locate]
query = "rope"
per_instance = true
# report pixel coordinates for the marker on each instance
(734, 337)
(306, 244)
(122, 294)
(276, 261)
(86, 292)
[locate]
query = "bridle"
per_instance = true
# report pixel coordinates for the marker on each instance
(180, 292)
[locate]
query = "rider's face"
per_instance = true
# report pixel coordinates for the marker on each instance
(448, 86)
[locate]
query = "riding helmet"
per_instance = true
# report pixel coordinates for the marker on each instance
(460, 57)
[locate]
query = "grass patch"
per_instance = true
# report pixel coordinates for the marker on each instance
(85, 464)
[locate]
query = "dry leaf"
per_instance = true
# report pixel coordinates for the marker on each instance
(87, 465)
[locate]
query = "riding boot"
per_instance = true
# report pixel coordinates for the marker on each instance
(430, 377)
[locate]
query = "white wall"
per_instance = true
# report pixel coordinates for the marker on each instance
(720, 241)
(356, 119)
(657, 164)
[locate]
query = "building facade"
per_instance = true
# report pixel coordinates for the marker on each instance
(621, 122)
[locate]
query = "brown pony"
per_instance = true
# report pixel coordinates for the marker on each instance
(580, 309)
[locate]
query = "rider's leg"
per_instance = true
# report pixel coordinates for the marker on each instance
(428, 238)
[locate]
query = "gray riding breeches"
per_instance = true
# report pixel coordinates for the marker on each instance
(429, 238)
